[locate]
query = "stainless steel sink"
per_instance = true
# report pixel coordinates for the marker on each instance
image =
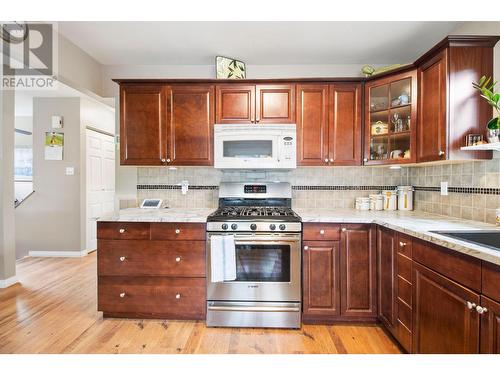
(487, 238)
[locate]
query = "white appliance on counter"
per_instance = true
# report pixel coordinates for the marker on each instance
(270, 146)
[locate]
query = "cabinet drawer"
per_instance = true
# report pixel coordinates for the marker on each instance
(404, 290)
(404, 314)
(404, 267)
(168, 298)
(491, 280)
(321, 232)
(458, 267)
(178, 231)
(151, 258)
(404, 245)
(404, 336)
(121, 230)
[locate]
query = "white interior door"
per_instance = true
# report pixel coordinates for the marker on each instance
(100, 181)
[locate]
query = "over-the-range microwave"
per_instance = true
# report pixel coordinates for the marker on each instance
(266, 146)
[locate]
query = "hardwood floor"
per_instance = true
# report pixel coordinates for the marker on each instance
(53, 310)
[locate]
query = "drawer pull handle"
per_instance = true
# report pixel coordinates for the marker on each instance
(122, 295)
(322, 231)
(122, 230)
(402, 244)
(177, 231)
(178, 296)
(481, 309)
(177, 259)
(306, 247)
(122, 259)
(344, 229)
(471, 305)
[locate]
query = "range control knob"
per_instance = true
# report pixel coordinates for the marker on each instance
(253, 226)
(224, 226)
(272, 227)
(234, 226)
(282, 226)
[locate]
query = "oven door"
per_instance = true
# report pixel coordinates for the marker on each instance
(267, 269)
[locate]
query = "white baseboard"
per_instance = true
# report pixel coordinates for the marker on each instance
(8, 282)
(57, 254)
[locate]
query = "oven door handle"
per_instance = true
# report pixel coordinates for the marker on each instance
(254, 308)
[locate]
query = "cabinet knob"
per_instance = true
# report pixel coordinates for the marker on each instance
(178, 296)
(168, 160)
(177, 259)
(177, 231)
(441, 153)
(163, 160)
(471, 305)
(402, 244)
(365, 160)
(121, 230)
(122, 295)
(322, 231)
(306, 247)
(122, 259)
(344, 229)
(331, 160)
(481, 309)
(326, 160)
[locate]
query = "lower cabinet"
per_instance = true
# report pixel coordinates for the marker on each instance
(386, 268)
(151, 270)
(444, 316)
(490, 326)
(339, 274)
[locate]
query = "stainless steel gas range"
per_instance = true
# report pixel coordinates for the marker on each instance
(267, 236)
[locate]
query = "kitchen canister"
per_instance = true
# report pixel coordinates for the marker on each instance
(364, 204)
(405, 198)
(376, 202)
(390, 200)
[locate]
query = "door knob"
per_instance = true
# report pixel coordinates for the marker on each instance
(441, 153)
(178, 259)
(306, 247)
(402, 244)
(322, 231)
(168, 160)
(178, 296)
(365, 160)
(344, 229)
(471, 305)
(122, 294)
(481, 309)
(177, 231)
(122, 230)
(331, 160)
(326, 160)
(163, 160)
(122, 259)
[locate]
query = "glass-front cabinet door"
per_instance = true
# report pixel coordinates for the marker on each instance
(390, 119)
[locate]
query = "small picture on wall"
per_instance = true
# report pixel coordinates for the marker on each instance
(54, 146)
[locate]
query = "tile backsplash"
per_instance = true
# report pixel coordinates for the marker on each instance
(337, 187)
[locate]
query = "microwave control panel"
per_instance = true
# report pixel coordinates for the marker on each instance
(288, 147)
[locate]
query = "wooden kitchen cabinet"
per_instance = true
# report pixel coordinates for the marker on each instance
(444, 321)
(358, 270)
(321, 276)
(387, 278)
(143, 130)
(391, 119)
(490, 326)
(255, 104)
(190, 121)
(449, 107)
(329, 124)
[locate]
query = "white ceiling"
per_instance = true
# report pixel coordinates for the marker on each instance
(256, 43)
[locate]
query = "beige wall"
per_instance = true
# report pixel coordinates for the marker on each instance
(7, 223)
(51, 219)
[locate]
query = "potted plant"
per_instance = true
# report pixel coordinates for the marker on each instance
(487, 91)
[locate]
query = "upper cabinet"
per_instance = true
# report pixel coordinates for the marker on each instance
(166, 125)
(143, 131)
(255, 104)
(390, 120)
(449, 107)
(329, 124)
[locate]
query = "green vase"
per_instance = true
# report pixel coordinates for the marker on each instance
(494, 123)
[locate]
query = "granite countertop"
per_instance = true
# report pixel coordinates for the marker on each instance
(187, 215)
(414, 223)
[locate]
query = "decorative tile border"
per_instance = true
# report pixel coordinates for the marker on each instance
(463, 190)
